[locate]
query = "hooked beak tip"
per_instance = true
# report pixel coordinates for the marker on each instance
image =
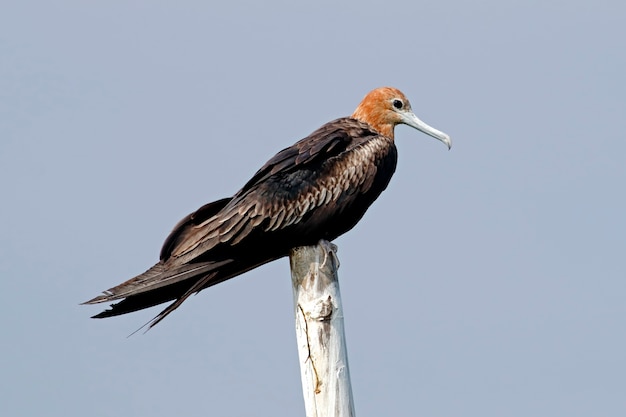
(415, 122)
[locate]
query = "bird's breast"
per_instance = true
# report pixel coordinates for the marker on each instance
(338, 195)
(358, 168)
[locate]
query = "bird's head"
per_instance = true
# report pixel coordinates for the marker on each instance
(386, 107)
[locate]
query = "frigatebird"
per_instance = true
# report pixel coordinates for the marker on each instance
(318, 188)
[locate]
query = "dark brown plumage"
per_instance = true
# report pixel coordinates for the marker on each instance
(319, 188)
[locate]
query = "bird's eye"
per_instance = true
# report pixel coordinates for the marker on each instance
(398, 104)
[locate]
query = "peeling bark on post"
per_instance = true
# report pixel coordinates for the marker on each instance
(320, 332)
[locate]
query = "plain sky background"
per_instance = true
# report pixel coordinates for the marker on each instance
(486, 281)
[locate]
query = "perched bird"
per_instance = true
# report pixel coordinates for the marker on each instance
(319, 188)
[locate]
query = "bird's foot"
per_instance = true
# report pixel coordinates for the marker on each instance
(330, 250)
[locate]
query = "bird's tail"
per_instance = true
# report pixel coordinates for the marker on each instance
(158, 285)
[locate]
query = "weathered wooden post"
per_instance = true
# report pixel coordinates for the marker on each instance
(320, 332)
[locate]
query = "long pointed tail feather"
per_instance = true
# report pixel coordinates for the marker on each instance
(162, 283)
(154, 278)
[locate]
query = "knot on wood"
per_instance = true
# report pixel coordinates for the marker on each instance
(323, 310)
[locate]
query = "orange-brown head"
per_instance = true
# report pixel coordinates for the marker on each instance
(386, 107)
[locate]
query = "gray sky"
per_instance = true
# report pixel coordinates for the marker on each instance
(486, 281)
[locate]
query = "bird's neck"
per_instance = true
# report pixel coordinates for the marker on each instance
(376, 119)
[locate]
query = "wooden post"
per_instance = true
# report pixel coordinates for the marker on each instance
(320, 332)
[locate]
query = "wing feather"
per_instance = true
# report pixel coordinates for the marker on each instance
(156, 277)
(183, 228)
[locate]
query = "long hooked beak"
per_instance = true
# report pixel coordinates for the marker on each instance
(409, 118)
